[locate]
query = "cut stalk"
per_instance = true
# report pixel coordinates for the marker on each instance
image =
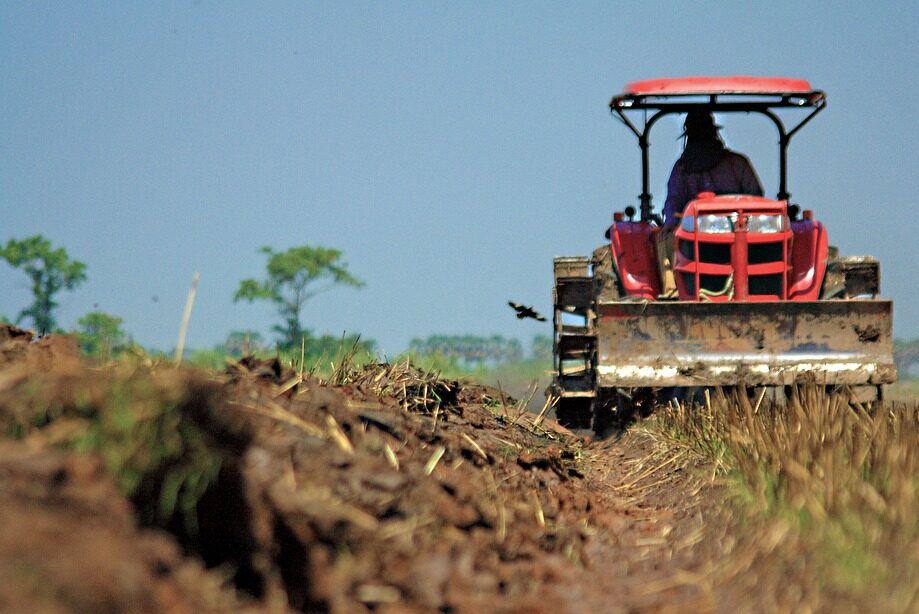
(186, 316)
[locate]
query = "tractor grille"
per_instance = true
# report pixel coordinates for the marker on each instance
(720, 254)
(761, 253)
(709, 283)
(711, 253)
(765, 284)
(733, 255)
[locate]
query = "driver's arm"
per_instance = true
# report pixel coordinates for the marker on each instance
(676, 196)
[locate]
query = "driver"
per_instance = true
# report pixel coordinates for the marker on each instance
(706, 165)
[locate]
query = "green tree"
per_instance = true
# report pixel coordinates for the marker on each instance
(50, 271)
(294, 277)
(541, 347)
(906, 355)
(469, 350)
(100, 334)
(241, 342)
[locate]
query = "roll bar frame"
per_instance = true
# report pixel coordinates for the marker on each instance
(763, 103)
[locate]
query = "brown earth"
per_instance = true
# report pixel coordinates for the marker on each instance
(145, 488)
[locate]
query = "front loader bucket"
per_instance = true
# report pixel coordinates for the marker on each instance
(657, 344)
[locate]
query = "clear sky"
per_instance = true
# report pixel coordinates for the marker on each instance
(449, 149)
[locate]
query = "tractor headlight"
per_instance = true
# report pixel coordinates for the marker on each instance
(764, 223)
(713, 224)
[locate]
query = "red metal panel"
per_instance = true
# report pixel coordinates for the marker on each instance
(808, 258)
(709, 203)
(636, 260)
(739, 260)
(717, 85)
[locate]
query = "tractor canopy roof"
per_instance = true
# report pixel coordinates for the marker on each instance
(737, 93)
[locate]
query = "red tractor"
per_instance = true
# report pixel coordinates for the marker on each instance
(761, 299)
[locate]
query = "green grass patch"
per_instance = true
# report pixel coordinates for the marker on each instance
(906, 389)
(160, 434)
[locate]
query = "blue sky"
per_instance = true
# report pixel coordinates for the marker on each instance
(449, 149)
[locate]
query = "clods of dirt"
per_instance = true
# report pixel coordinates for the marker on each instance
(70, 542)
(20, 348)
(382, 489)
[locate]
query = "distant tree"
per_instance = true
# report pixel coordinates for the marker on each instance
(241, 342)
(50, 271)
(100, 334)
(906, 356)
(512, 351)
(541, 347)
(294, 277)
(469, 349)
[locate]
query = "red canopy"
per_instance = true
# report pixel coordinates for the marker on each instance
(717, 85)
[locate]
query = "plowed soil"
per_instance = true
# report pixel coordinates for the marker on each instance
(139, 487)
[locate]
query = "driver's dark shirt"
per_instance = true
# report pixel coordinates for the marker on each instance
(732, 175)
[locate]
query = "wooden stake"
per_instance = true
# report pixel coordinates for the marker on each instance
(302, 354)
(183, 330)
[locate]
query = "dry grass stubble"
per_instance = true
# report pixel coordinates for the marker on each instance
(823, 510)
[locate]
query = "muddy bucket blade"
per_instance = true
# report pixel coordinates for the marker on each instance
(655, 344)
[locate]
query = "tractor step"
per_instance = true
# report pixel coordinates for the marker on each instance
(575, 342)
(576, 347)
(571, 266)
(579, 382)
(574, 294)
(577, 394)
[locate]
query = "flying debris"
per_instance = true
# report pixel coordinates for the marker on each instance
(526, 312)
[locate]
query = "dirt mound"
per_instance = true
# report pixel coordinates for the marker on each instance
(413, 498)
(381, 489)
(393, 486)
(69, 542)
(18, 347)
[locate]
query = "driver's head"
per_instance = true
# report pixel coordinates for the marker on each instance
(700, 124)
